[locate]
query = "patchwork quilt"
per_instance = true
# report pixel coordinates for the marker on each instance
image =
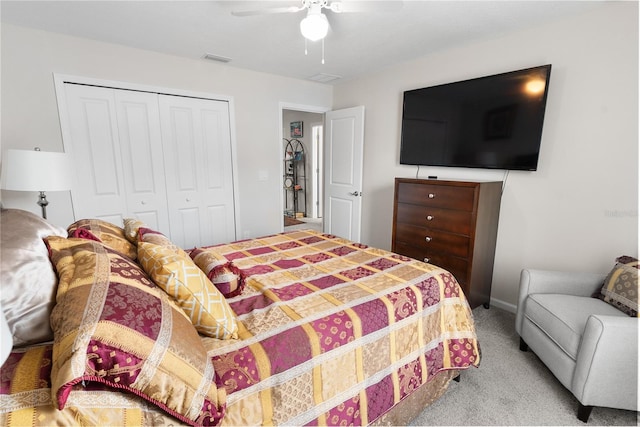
(334, 332)
(329, 332)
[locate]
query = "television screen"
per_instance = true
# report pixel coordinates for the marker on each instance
(490, 122)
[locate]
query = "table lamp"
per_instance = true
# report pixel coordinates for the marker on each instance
(25, 170)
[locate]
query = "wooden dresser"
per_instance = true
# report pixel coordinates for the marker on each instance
(452, 224)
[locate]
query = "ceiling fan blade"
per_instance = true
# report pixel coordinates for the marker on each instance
(348, 6)
(268, 11)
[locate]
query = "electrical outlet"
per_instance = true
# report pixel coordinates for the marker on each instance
(246, 234)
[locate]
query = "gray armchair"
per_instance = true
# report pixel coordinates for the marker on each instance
(590, 346)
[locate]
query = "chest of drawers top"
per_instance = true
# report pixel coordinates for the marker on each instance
(455, 195)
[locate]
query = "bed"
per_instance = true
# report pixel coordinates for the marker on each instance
(296, 328)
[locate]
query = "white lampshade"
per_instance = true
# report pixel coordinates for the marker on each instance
(31, 170)
(315, 26)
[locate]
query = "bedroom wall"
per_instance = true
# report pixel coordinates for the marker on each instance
(579, 210)
(30, 114)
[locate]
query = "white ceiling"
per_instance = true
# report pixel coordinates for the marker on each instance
(357, 42)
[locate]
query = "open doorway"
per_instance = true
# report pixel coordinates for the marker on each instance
(302, 160)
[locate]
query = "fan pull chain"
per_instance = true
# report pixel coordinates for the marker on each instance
(306, 51)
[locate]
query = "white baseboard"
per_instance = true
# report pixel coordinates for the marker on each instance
(503, 305)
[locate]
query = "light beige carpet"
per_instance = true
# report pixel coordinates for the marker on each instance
(510, 387)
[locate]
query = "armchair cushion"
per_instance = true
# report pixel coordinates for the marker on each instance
(620, 288)
(563, 317)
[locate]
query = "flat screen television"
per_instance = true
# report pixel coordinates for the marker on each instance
(492, 122)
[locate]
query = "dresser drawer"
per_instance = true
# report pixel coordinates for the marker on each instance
(442, 196)
(432, 240)
(458, 222)
(456, 266)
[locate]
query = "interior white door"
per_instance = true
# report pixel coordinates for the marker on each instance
(344, 145)
(199, 174)
(114, 140)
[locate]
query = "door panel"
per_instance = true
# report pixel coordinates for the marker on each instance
(340, 208)
(344, 144)
(95, 149)
(187, 224)
(142, 160)
(218, 215)
(197, 150)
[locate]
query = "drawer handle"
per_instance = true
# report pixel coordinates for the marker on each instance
(426, 260)
(432, 195)
(428, 239)
(429, 217)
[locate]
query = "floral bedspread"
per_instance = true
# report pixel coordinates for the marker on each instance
(334, 332)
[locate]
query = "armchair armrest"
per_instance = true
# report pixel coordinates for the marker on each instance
(606, 371)
(555, 282)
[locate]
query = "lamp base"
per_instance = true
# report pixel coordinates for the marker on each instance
(43, 202)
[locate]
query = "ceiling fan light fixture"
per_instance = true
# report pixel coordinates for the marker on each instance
(315, 26)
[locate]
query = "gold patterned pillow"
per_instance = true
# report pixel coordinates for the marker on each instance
(113, 326)
(109, 234)
(223, 274)
(620, 288)
(189, 287)
(157, 238)
(131, 226)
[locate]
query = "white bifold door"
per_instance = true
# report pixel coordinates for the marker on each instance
(163, 159)
(197, 161)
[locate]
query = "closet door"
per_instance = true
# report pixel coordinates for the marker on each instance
(199, 175)
(98, 190)
(142, 160)
(114, 137)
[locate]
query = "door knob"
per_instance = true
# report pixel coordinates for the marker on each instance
(355, 193)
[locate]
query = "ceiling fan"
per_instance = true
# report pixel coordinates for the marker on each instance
(315, 25)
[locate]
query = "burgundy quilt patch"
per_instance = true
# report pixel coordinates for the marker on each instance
(334, 331)
(292, 347)
(373, 316)
(291, 292)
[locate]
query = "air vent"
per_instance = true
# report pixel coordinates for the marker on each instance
(217, 58)
(324, 78)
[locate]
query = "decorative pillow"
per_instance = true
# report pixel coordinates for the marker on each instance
(109, 234)
(131, 226)
(27, 277)
(113, 326)
(223, 274)
(620, 288)
(189, 287)
(157, 238)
